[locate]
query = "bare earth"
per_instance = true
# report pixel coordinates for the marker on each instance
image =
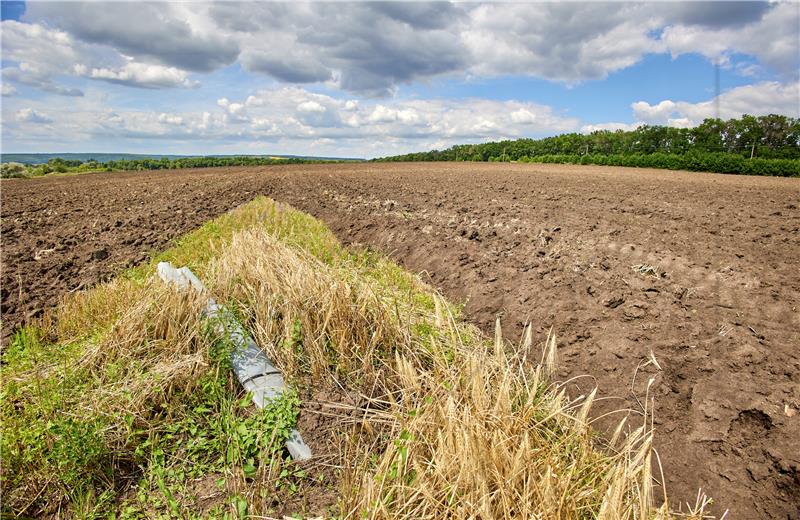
(552, 244)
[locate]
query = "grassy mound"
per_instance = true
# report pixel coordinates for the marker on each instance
(122, 402)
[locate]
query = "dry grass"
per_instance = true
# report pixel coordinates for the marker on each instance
(649, 270)
(454, 426)
(440, 421)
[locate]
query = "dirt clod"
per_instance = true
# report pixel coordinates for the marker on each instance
(100, 254)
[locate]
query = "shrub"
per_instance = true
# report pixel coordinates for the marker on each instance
(706, 162)
(12, 170)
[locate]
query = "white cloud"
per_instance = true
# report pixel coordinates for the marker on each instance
(759, 99)
(140, 75)
(658, 112)
(37, 55)
(773, 39)
(37, 45)
(26, 74)
(588, 129)
(681, 122)
(523, 116)
(568, 42)
(264, 125)
(408, 116)
(173, 34)
(234, 112)
(8, 90)
(41, 57)
(294, 117)
(371, 48)
(170, 119)
(361, 47)
(382, 114)
(573, 42)
(29, 115)
(485, 127)
(310, 107)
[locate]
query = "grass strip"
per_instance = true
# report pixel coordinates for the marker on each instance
(122, 403)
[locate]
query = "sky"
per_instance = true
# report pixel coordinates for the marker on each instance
(368, 79)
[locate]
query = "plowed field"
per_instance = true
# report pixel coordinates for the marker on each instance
(700, 272)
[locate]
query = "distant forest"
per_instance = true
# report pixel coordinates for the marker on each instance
(102, 158)
(62, 165)
(764, 145)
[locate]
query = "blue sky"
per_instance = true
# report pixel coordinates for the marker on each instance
(369, 79)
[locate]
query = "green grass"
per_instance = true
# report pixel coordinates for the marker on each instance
(77, 434)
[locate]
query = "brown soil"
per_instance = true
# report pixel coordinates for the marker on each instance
(552, 244)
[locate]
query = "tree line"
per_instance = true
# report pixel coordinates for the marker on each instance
(764, 145)
(59, 165)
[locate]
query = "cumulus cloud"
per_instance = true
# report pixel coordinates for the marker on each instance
(362, 47)
(563, 42)
(38, 54)
(33, 76)
(716, 14)
(523, 116)
(773, 39)
(170, 119)
(235, 111)
(36, 44)
(373, 47)
(383, 114)
(309, 107)
(173, 34)
(295, 115)
(424, 15)
(8, 90)
(42, 56)
(574, 42)
(760, 99)
(290, 69)
(769, 97)
(296, 120)
(588, 129)
(363, 53)
(29, 115)
(139, 75)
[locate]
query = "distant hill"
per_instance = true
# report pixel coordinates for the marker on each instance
(41, 158)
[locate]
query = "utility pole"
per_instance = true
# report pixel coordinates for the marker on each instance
(716, 89)
(752, 149)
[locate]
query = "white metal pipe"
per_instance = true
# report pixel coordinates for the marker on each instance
(253, 368)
